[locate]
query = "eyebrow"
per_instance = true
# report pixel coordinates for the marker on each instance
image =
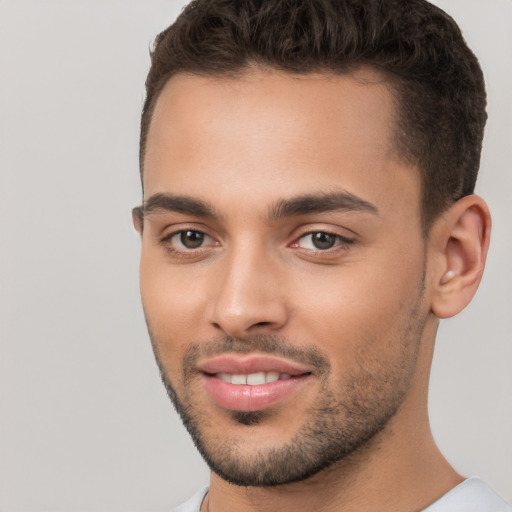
(179, 204)
(320, 203)
(293, 207)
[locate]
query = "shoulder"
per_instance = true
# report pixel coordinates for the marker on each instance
(194, 503)
(472, 495)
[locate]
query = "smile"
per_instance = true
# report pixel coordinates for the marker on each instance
(253, 379)
(252, 382)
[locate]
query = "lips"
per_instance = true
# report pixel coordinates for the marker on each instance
(251, 383)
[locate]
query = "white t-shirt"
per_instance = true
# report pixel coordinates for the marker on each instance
(472, 495)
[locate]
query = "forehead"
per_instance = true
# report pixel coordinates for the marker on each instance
(296, 132)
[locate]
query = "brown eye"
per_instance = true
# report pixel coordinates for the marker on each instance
(191, 239)
(323, 240)
(188, 243)
(318, 240)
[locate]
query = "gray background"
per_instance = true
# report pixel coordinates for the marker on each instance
(85, 424)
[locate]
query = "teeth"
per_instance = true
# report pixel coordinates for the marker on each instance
(239, 379)
(253, 379)
(272, 376)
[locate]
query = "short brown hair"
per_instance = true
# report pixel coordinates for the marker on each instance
(417, 46)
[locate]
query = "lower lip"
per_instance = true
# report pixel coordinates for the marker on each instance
(242, 397)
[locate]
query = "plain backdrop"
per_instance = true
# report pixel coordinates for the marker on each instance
(85, 424)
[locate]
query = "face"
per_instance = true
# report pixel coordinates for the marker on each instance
(282, 270)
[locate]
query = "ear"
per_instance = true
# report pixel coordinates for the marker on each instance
(138, 219)
(460, 240)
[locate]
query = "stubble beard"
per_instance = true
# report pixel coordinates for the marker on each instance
(346, 417)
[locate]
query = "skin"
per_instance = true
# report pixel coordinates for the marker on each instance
(241, 146)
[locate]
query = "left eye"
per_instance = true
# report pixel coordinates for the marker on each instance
(320, 241)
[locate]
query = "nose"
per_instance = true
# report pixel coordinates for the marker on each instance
(248, 298)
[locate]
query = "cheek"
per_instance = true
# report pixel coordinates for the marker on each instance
(173, 307)
(354, 310)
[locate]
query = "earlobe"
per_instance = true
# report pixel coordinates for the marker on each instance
(462, 240)
(138, 218)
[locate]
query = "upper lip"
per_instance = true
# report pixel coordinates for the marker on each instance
(251, 363)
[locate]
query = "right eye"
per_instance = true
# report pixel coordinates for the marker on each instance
(187, 240)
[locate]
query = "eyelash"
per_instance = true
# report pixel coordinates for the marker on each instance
(340, 242)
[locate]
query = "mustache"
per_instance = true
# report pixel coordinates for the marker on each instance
(258, 343)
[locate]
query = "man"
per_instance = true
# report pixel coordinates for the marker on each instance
(308, 170)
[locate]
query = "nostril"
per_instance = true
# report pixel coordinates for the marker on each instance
(262, 324)
(238, 318)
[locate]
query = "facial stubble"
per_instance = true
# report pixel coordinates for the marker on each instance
(346, 417)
